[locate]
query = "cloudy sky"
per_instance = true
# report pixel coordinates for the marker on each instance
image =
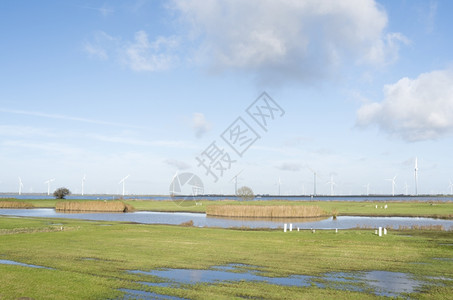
(357, 90)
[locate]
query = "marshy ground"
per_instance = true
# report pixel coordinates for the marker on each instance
(91, 260)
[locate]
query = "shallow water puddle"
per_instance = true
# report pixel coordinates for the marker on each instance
(443, 258)
(220, 274)
(381, 283)
(12, 262)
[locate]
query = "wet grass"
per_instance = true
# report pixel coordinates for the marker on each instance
(120, 247)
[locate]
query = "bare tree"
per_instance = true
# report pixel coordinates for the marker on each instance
(245, 193)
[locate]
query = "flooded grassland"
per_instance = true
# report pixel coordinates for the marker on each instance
(109, 260)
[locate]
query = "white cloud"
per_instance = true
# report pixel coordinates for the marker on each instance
(136, 141)
(100, 45)
(104, 10)
(385, 51)
(200, 124)
(180, 165)
(414, 109)
(64, 117)
(26, 131)
(143, 55)
(47, 147)
(290, 166)
(95, 51)
(293, 39)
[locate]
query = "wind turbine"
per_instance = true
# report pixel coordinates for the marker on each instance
(235, 178)
(21, 185)
(367, 189)
(123, 181)
(332, 183)
(279, 185)
(451, 187)
(415, 174)
(48, 185)
(83, 183)
(393, 185)
(173, 183)
(314, 181)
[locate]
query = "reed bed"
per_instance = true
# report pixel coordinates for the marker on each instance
(260, 211)
(424, 227)
(98, 206)
(15, 204)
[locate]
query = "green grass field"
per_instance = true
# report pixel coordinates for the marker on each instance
(90, 259)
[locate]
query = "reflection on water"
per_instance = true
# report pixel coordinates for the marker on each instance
(201, 220)
(382, 283)
(12, 262)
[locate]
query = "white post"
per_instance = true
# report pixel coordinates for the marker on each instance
(380, 231)
(297, 228)
(291, 227)
(376, 205)
(284, 228)
(336, 230)
(385, 231)
(385, 206)
(375, 232)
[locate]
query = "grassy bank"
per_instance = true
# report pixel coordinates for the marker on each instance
(351, 208)
(96, 206)
(400, 209)
(84, 269)
(265, 211)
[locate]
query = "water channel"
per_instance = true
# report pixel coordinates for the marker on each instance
(201, 220)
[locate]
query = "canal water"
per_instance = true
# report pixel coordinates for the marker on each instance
(202, 220)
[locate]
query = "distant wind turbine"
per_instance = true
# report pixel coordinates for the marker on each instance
(48, 185)
(83, 183)
(174, 183)
(367, 189)
(415, 174)
(393, 184)
(279, 185)
(332, 184)
(451, 187)
(314, 181)
(21, 185)
(123, 181)
(235, 178)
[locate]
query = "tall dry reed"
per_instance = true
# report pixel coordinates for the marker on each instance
(260, 211)
(99, 206)
(15, 204)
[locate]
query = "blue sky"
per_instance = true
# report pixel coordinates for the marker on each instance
(108, 88)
